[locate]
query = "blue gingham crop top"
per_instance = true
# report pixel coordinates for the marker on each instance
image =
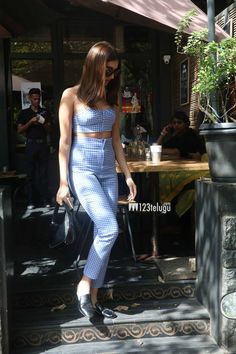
(88, 120)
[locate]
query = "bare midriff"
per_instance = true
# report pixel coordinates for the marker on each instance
(97, 135)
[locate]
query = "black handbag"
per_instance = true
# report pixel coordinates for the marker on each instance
(64, 227)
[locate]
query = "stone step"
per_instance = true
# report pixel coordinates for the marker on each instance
(198, 344)
(137, 291)
(39, 283)
(142, 319)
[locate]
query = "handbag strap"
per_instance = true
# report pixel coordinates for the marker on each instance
(55, 213)
(77, 210)
(67, 208)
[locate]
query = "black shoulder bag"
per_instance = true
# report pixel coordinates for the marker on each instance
(64, 227)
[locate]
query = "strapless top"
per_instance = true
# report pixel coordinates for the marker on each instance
(88, 120)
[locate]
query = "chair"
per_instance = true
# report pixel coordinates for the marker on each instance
(123, 209)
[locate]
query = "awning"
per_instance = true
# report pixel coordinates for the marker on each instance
(17, 17)
(158, 14)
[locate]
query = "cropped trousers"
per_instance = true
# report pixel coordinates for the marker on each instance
(93, 179)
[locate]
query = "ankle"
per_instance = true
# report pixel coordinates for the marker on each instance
(83, 288)
(94, 301)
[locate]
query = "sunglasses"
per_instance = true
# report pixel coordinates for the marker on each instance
(110, 71)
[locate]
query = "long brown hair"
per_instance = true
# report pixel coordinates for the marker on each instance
(92, 81)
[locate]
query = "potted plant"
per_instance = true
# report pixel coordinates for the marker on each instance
(216, 88)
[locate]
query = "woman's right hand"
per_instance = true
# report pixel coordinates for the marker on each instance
(132, 188)
(62, 194)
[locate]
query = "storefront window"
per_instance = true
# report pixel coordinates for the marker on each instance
(136, 96)
(136, 85)
(79, 37)
(72, 71)
(30, 47)
(33, 70)
(79, 46)
(37, 41)
(137, 39)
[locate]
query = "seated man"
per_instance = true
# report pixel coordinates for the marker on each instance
(178, 140)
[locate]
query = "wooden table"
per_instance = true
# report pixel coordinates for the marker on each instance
(164, 166)
(9, 176)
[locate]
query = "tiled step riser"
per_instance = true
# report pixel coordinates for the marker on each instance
(50, 337)
(175, 345)
(150, 292)
(133, 293)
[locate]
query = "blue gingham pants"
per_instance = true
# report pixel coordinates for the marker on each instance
(93, 179)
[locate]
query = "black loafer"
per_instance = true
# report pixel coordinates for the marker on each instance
(85, 306)
(104, 311)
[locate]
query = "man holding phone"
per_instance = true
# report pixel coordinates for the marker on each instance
(179, 140)
(34, 122)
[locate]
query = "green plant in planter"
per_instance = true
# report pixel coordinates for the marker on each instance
(216, 71)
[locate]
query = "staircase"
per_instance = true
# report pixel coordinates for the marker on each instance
(155, 301)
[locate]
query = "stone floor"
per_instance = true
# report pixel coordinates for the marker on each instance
(33, 256)
(151, 295)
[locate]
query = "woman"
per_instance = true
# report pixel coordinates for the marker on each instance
(89, 145)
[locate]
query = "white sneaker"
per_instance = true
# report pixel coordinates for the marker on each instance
(30, 207)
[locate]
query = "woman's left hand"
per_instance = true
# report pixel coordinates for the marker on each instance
(132, 188)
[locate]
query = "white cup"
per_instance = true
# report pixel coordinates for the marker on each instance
(156, 153)
(40, 118)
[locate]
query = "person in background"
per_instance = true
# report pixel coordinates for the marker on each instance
(34, 122)
(89, 144)
(179, 140)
